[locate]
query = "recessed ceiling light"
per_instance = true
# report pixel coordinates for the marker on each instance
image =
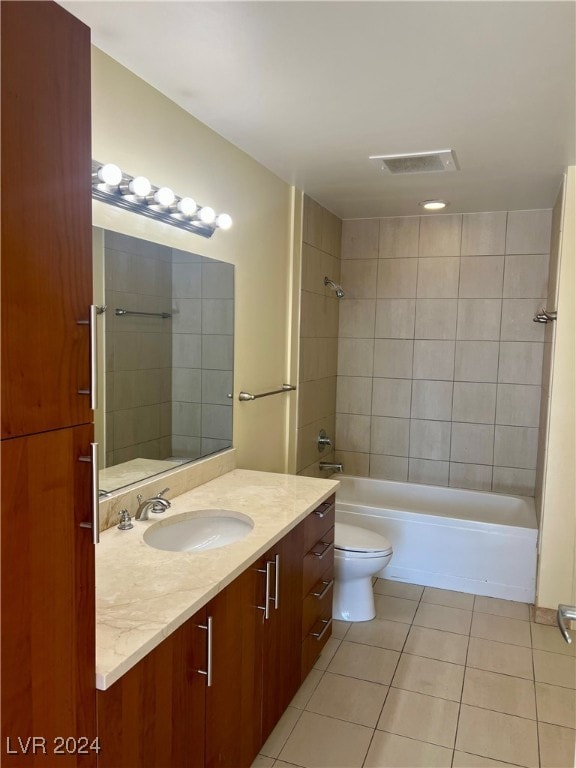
(434, 205)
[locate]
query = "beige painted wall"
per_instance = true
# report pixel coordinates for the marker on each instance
(145, 133)
(557, 564)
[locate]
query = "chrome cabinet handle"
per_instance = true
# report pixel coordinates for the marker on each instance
(93, 390)
(95, 523)
(322, 510)
(565, 612)
(327, 547)
(276, 581)
(322, 593)
(208, 670)
(267, 598)
(319, 635)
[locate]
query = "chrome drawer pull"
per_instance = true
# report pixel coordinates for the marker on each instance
(328, 545)
(322, 511)
(208, 670)
(320, 635)
(327, 587)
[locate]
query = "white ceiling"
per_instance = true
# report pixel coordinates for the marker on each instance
(311, 89)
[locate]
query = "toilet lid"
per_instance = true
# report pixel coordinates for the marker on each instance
(355, 539)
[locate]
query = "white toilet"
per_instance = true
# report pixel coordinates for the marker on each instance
(358, 556)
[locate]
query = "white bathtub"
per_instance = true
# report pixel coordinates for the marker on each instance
(470, 541)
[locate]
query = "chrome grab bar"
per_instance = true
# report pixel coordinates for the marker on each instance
(565, 612)
(244, 396)
(121, 312)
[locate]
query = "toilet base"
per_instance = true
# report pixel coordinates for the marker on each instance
(353, 600)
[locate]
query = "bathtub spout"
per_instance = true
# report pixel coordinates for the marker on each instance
(331, 467)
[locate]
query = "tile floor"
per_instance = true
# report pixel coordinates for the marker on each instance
(438, 678)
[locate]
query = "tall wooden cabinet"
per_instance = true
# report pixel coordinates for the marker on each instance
(47, 567)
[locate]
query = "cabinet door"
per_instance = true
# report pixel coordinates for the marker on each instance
(233, 733)
(48, 632)
(46, 272)
(282, 632)
(153, 717)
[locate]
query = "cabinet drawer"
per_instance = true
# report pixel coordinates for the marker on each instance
(318, 522)
(318, 558)
(314, 642)
(318, 602)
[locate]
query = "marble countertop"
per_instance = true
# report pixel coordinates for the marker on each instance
(143, 594)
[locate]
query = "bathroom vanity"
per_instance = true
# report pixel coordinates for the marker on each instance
(200, 653)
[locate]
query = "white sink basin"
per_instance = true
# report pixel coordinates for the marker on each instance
(203, 529)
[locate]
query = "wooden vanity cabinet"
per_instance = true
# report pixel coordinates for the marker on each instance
(233, 729)
(154, 715)
(166, 712)
(189, 704)
(281, 631)
(317, 582)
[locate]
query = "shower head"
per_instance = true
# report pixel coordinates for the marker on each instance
(331, 284)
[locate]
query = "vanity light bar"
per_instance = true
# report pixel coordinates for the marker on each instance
(135, 193)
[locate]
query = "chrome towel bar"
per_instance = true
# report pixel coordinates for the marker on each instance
(247, 396)
(120, 312)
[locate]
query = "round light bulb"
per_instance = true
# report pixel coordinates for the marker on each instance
(164, 197)
(224, 221)
(433, 205)
(207, 215)
(187, 206)
(140, 186)
(110, 174)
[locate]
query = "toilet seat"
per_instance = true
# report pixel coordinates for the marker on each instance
(360, 542)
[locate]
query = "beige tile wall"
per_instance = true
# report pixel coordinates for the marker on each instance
(440, 364)
(319, 315)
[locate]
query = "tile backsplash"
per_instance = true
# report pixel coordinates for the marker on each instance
(439, 362)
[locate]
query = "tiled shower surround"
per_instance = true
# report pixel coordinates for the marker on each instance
(439, 360)
(318, 336)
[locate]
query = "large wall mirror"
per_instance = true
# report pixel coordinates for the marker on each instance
(166, 349)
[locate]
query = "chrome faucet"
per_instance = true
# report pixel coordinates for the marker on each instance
(329, 466)
(323, 440)
(156, 504)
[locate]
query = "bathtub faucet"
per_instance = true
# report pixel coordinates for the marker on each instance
(328, 466)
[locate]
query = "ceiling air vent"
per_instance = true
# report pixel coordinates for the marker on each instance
(441, 161)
